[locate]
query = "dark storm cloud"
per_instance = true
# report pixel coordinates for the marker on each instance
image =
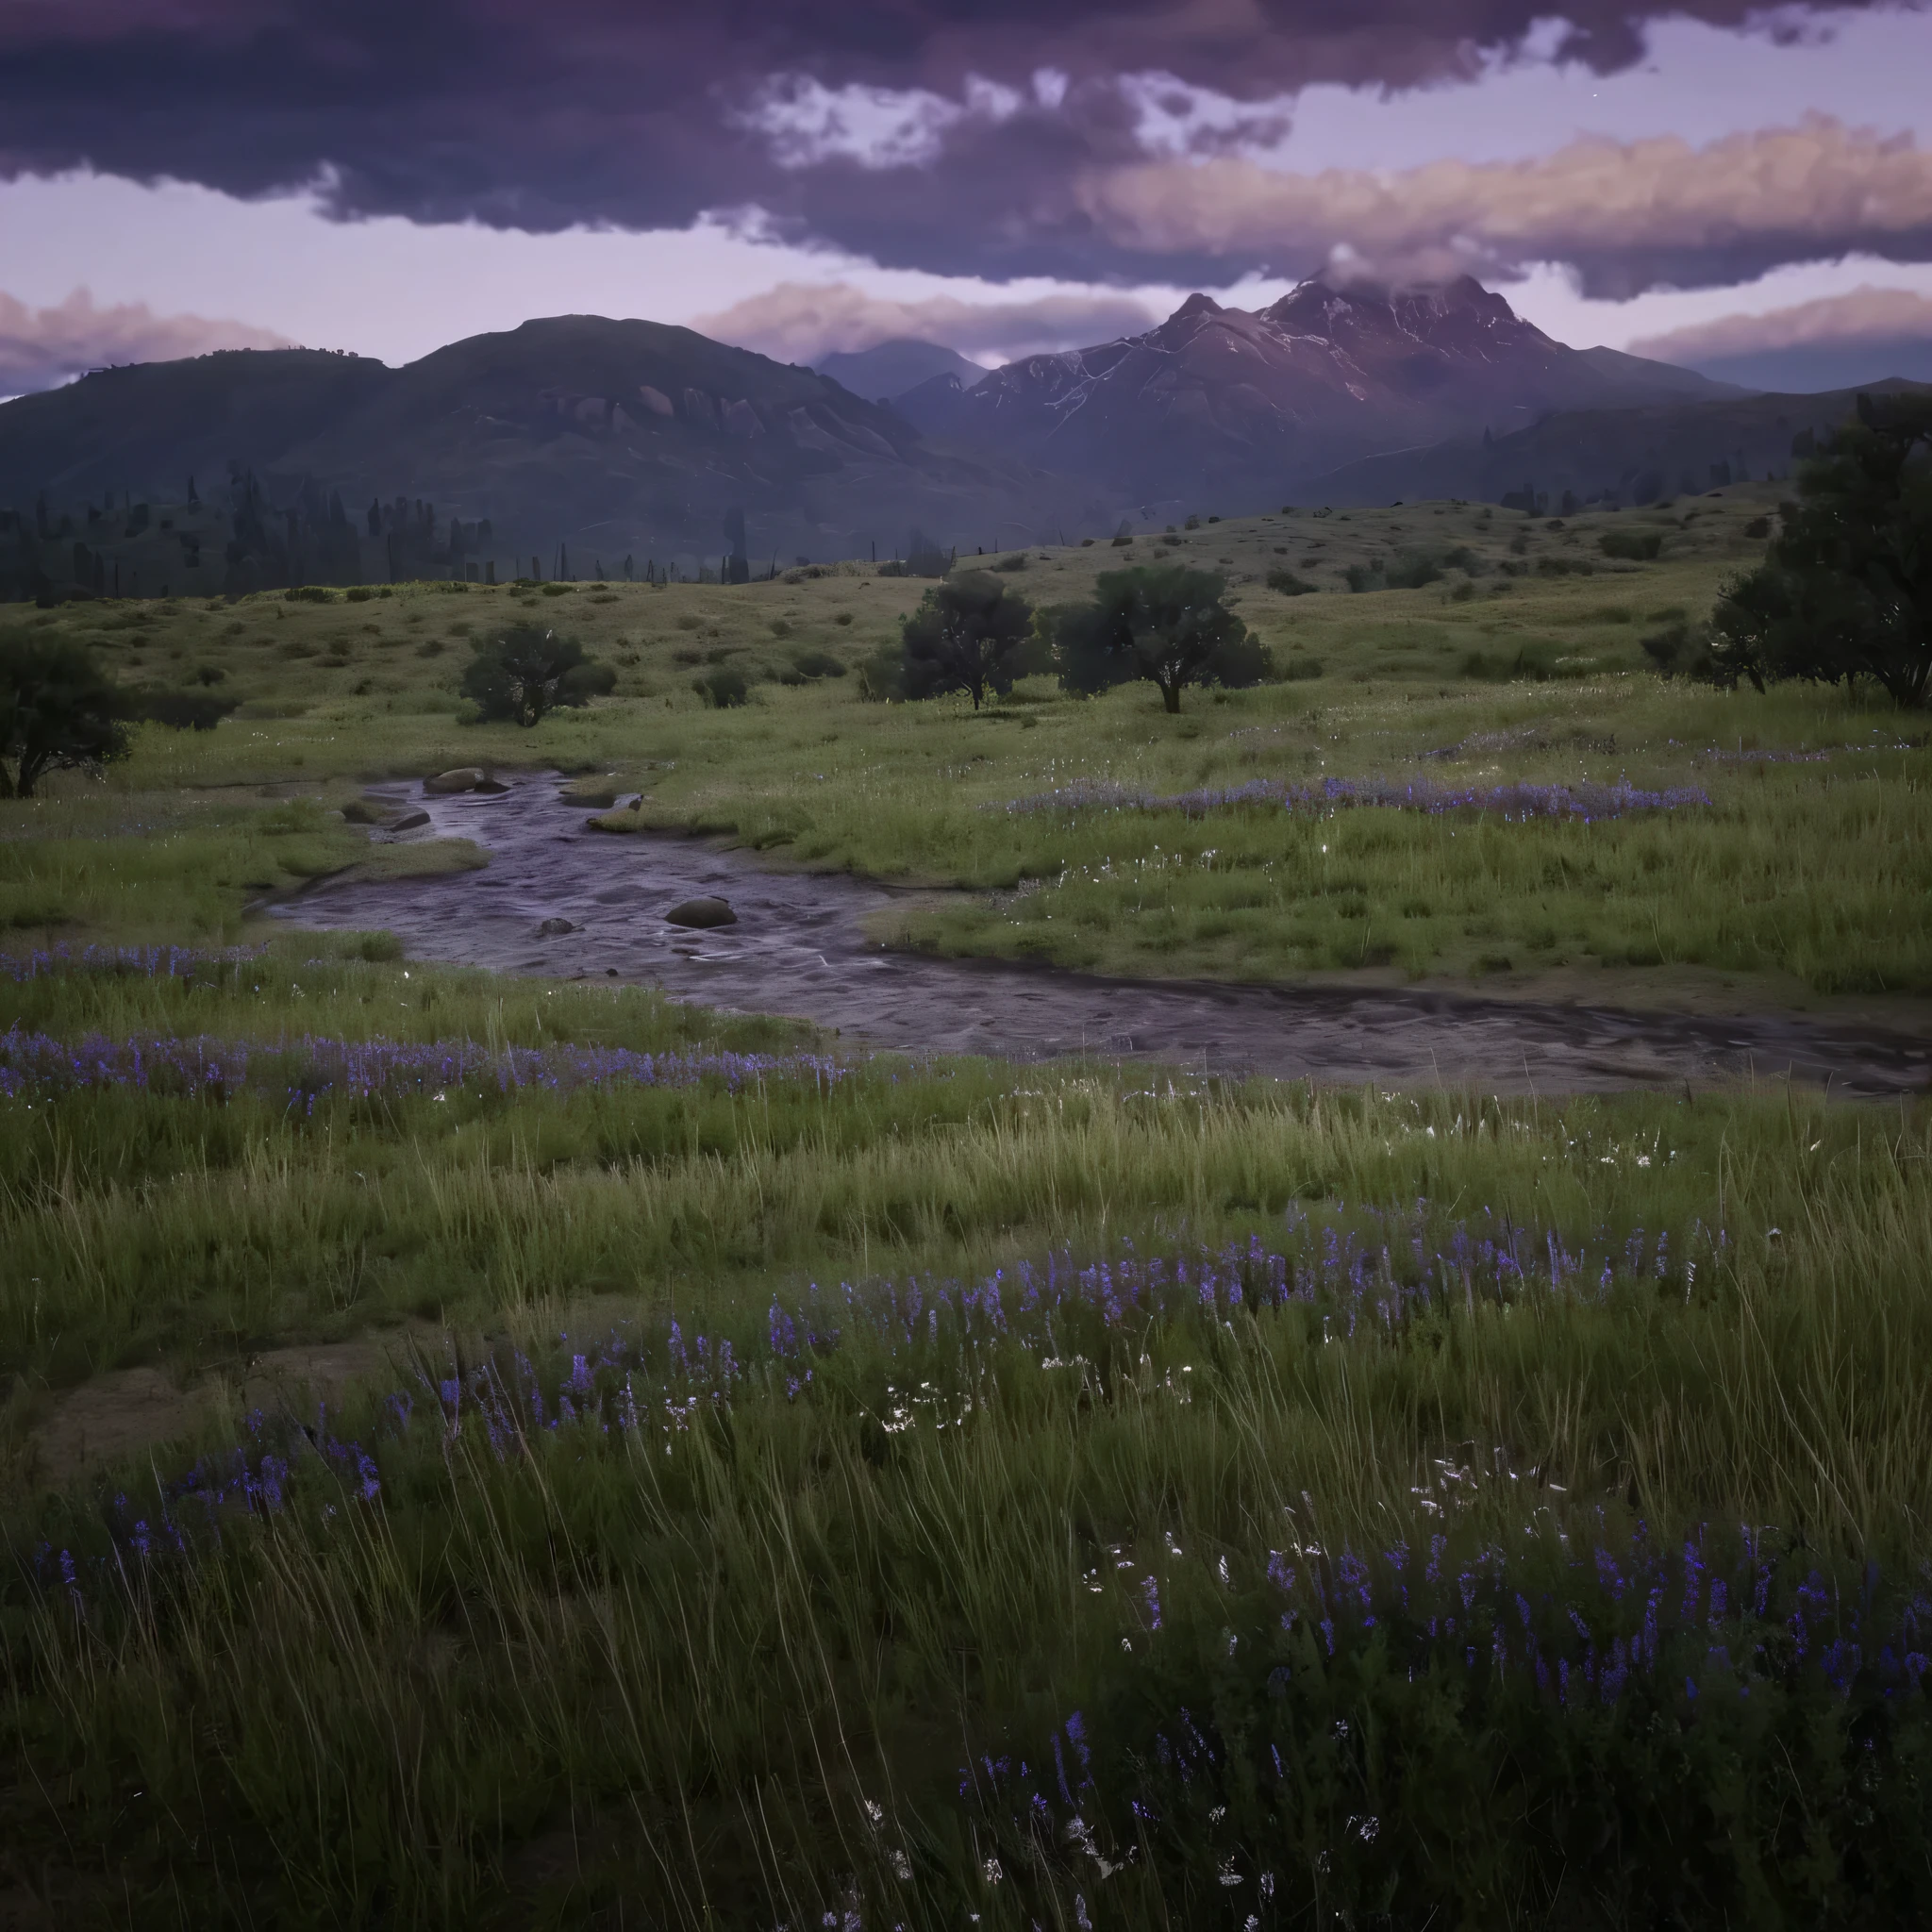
(970, 138)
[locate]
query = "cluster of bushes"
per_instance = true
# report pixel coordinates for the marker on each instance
(1412, 571)
(1633, 546)
(1165, 623)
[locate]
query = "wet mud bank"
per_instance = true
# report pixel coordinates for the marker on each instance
(559, 899)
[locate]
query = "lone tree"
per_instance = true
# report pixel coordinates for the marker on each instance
(56, 712)
(1162, 621)
(970, 633)
(1845, 590)
(528, 672)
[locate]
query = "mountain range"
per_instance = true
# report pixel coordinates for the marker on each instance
(638, 439)
(612, 438)
(1235, 407)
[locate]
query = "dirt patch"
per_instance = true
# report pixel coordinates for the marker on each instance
(126, 1411)
(113, 1416)
(801, 948)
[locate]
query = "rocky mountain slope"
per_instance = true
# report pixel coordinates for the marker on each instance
(1228, 409)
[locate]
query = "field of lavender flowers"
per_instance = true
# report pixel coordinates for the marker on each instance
(796, 1487)
(822, 1485)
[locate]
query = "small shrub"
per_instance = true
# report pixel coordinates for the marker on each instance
(1289, 583)
(1632, 547)
(186, 710)
(722, 688)
(309, 593)
(1302, 670)
(818, 664)
(881, 675)
(525, 673)
(359, 593)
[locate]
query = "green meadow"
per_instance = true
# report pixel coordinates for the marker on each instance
(533, 1454)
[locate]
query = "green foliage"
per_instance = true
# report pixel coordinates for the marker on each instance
(57, 711)
(1165, 622)
(186, 710)
(1289, 584)
(1845, 592)
(1412, 571)
(814, 663)
(1633, 546)
(1680, 650)
(518, 676)
(968, 634)
(722, 688)
(881, 675)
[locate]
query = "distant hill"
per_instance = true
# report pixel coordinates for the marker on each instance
(890, 368)
(1633, 456)
(144, 429)
(1807, 368)
(612, 438)
(1225, 409)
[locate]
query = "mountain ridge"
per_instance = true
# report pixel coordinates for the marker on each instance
(617, 437)
(1235, 404)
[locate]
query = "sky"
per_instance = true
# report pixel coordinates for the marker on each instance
(1742, 189)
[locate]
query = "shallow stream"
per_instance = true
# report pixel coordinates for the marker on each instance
(800, 948)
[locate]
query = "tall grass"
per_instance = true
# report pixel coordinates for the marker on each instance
(740, 1658)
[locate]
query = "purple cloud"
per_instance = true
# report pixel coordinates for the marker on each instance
(42, 347)
(954, 135)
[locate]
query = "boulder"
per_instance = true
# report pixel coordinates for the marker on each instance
(406, 821)
(554, 928)
(464, 778)
(490, 785)
(702, 913)
(367, 812)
